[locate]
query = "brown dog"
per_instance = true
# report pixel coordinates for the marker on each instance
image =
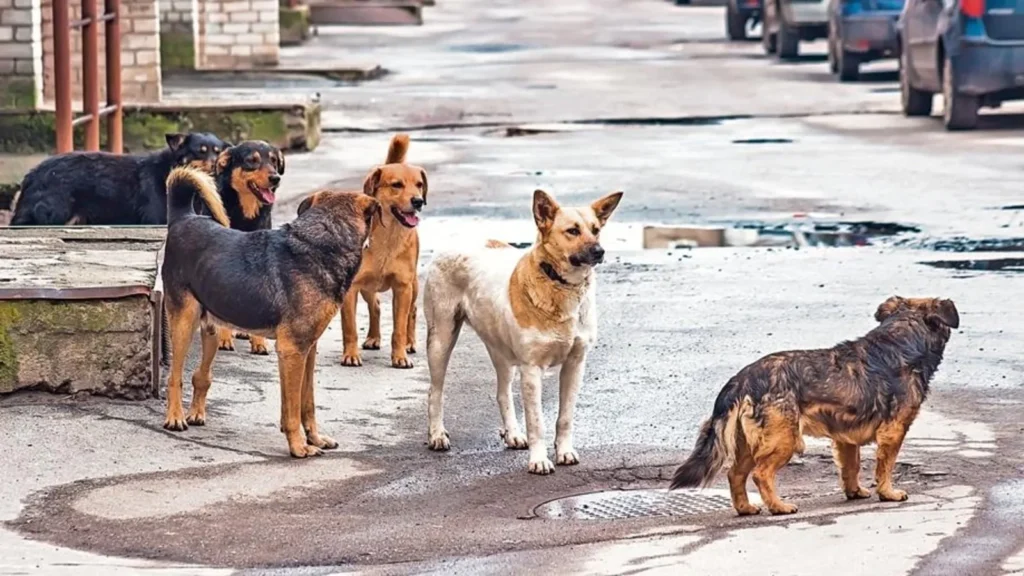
(389, 262)
(861, 391)
(283, 284)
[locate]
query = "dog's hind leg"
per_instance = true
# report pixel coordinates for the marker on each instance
(531, 376)
(313, 435)
(779, 438)
(569, 380)
(225, 338)
(847, 457)
(889, 438)
(258, 345)
(411, 330)
(404, 296)
(443, 326)
(506, 409)
(291, 365)
(202, 378)
(349, 330)
(181, 319)
(373, 337)
(743, 463)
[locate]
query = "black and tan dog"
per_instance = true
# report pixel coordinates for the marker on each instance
(861, 391)
(248, 175)
(283, 284)
(100, 188)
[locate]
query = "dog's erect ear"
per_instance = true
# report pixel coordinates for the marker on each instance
(278, 157)
(223, 159)
(308, 203)
(544, 210)
(604, 207)
(372, 182)
(944, 312)
(423, 174)
(175, 141)
(888, 308)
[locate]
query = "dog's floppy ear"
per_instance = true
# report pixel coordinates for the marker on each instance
(223, 159)
(372, 182)
(308, 203)
(604, 207)
(888, 308)
(544, 210)
(423, 174)
(175, 141)
(368, 205)
(944, 312)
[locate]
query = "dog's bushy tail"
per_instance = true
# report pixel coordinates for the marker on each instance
(183, 184)
(716, 442)
(396, 151)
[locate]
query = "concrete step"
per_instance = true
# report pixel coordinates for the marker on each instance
(366, 12)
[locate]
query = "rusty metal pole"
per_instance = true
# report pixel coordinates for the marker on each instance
(113, 38)
(62, 75)
(91, 74)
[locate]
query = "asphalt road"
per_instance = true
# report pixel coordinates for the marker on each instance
(640, 96)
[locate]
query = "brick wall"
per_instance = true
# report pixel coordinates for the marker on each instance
(140, 52)
(236, 34)
(176, 16)
(20, 50)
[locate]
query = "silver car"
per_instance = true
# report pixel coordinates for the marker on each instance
(787, 22)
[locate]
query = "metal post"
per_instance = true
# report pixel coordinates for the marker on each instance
(62, 75)
(113, 37)
(90, 74)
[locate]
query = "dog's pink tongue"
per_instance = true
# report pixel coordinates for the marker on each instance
(411, 219)
(268, 195)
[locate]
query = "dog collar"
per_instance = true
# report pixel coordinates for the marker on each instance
(551, 273)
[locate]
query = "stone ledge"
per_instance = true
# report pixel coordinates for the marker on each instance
(288, 125)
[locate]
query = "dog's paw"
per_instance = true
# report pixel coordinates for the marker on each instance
(258, 346)
(175, 421)
(747, 509)
(515, 440)
(321, 441)
(542, 466)
(371, 343)
(411, 348)
(439, 442)
(348, 359)
(241, 335)
(858, 494)
(400, 362)
(893, 495)
(196, 417)
(567, 458)
(305, 451)
(781, 508)
(225, 343)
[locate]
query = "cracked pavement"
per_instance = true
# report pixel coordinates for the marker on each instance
(640, 96)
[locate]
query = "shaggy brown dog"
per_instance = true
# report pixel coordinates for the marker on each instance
(389, 262)
(283, 284)
(858, 392)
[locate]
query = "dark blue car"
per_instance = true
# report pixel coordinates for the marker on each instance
(860, 31)
(972, 51)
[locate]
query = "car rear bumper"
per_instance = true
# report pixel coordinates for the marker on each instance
(806, 13)
(981, 68)
(870, 33)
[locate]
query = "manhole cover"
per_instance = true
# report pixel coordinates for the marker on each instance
(622, 504)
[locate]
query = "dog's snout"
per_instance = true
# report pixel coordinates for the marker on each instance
(275, 179)
(596, 253)
(417, 203)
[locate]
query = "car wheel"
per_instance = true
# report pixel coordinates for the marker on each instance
(735, 23)
(833, 63)
(789, 41)
(913, 101)
(960, 111)
(768, 42)
(849, 65)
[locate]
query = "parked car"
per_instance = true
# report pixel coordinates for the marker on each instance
(972, 51)
(786, 22)
(739, 14)
(860, 31)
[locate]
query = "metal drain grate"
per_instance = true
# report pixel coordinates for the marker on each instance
(622, 504)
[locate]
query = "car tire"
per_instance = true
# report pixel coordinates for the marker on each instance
(959, 111)
(849, 65)
(788, 42)
(735, 23)
(913, 101)
(769, 42)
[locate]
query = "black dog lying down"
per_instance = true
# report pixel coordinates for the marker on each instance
(100, 188)
(284, 284)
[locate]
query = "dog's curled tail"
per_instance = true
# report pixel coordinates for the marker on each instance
(396, 151)
(183, 184)
(716, 443)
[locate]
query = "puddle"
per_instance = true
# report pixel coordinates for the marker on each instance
(1014, 207)
(790, 234)
(763, 141)
(991, 265)
(493, 48)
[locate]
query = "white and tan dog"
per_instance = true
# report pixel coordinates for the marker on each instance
(532, 310)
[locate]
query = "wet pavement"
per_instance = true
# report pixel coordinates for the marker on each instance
(583, 98)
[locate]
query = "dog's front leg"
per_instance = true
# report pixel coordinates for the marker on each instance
(531, 381)
(569, 380)
(399, 337)
(350, 354)
(313, 435)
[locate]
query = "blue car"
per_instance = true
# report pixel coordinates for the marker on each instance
(972, 51)
(860, 31)
(739, 14)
